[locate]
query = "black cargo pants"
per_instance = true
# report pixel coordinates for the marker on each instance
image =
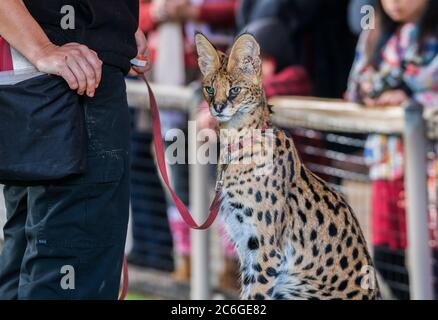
(65, 239)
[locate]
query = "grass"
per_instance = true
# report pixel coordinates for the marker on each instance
(139, 296)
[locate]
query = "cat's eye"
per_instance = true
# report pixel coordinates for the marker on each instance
(209, 90)
(235, 91)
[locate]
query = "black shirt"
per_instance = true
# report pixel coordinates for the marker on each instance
(106, 26)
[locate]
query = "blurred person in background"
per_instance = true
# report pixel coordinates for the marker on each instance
(395, 62)
(216, 19)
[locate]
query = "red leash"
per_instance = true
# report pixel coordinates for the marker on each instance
(185, 213)
(159, 151)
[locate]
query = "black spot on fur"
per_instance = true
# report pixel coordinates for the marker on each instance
(257, 267)
(333, 231)
(309, 266)
(329, 262)
(349, 242)
(343, 262)
(343, 285)
(344, 234)
(308, 204)
(278, 296)
(248, 279)
(304, 175)
(268, 217)
(313, 235)
(315, 251)
(320, 217)
(259, 296)
(294, 197)
(358, 281)
(299, 260)
(258, 197)
(352, 294)
(271, 272)
(355, 253)
(328, 203)
(260, 215)
(272, 240)
(262, 279)
(319, 271)
(248, 212)
(301, 237)
(328, 248)
(302, 216)
(273, 198)
(236, 205)
(253, 243)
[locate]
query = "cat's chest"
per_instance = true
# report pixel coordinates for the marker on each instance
(238, 217)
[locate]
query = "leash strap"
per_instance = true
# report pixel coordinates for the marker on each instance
(125, 280)
(185, 213)
(159, 151)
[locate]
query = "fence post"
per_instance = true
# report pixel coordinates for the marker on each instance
(199, 204)
(419, 251)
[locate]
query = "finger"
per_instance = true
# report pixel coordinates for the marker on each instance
(94, 61)
(89, 74)
(140, 70)
(132, 72)
(69, 77)
(78, 73)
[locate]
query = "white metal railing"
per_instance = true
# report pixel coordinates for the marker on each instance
(321, 114)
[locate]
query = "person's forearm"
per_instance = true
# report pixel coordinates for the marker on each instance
(21, 30)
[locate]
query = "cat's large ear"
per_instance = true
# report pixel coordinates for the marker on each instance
(245, 56)
(208, 57)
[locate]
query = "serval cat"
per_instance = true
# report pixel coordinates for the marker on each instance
(296, 237)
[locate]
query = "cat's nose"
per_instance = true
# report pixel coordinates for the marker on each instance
(219, 107)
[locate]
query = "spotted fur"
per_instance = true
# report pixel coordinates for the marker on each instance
(296, 237)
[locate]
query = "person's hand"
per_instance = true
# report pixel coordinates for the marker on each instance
(142, 50)
(392, 98)
(76, 63)
(369, 102)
